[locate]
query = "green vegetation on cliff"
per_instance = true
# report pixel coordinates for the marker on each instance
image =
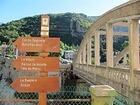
(70, 27)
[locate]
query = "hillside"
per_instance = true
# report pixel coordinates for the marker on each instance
(93, 18)
(70, 27)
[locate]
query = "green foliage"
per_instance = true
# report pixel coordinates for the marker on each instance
(125, 44)
(93, 18)
(10, 51)
(92, 61)
(32, 53)
(9, 80)
(61, 25)
(64, 47)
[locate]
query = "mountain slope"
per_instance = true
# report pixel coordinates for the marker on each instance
(70, 27)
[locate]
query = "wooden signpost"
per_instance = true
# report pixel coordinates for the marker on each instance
(36, 64)
(37, 44)
(36, 84)
(43, 83)
(44, 33)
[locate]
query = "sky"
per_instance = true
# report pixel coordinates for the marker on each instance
(16, 9)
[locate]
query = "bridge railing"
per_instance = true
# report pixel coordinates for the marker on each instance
(137, 79)
(118, 78)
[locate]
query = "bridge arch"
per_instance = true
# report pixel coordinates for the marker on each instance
(128, 15)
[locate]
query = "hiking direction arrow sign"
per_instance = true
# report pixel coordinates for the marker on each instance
(36, 84)
(36, 64)
(37, 44)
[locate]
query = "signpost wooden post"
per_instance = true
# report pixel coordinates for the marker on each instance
(45, 64)
(44, 33)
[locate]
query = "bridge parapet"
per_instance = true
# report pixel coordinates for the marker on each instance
(118, 78)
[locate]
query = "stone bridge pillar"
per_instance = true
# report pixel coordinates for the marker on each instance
(97, 48)
(109, 38)
(80, 58)
(133, 49)
(84, 55)
(102, 95)
(89, 51)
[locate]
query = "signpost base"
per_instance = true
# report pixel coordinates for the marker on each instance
(42, 99)
(42, 95)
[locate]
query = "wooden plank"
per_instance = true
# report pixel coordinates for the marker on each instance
(35, 63)
(37, 44)
(36, 84)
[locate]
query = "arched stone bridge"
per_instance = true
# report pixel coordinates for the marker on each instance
(125, 80)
